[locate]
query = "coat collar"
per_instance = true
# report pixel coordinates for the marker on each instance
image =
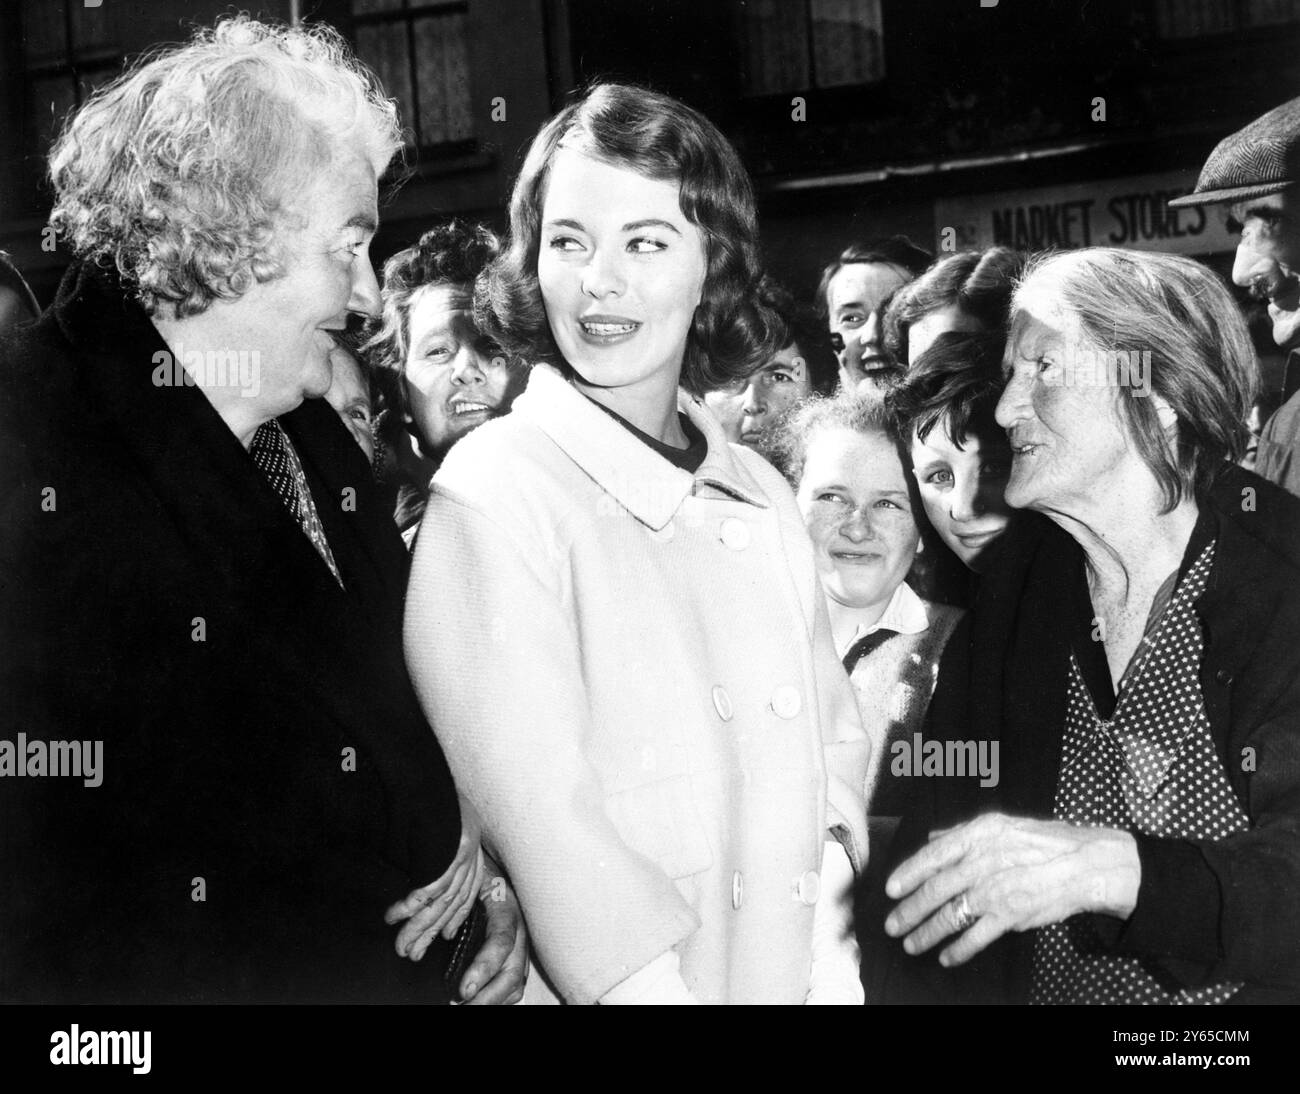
(209, 486)
(236, 527)
(640, 480)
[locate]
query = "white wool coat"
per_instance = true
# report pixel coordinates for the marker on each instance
(631, 672)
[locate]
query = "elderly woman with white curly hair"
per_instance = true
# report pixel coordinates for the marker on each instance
(199, 573)
(1135, 650)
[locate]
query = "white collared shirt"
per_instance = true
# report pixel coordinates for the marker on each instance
(905, 613)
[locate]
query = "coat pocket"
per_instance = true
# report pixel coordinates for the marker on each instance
(662, 821)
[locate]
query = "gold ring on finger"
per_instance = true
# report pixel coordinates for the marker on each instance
(962, 913)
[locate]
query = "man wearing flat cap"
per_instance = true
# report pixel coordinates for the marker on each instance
(1256, 173)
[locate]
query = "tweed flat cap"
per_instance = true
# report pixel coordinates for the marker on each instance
(1263, 158)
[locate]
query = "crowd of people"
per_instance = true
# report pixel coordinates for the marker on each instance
(578, 615)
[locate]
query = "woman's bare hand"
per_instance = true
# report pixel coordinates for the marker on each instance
(996, 874)
(442, 905)
(498, 972)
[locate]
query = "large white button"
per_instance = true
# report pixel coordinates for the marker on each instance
(737, 889)
(734, 533)
(786, 701)
(808, 888)
(722, 704)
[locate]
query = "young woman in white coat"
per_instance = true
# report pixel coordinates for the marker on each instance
(614, 618)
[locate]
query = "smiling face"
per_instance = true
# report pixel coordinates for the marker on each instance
(1268, 259)
(853, 497)
(963, 489)
(855, 298)
(349, 395)
(327, 276)
(1070, 449)
(621, 272)
(454, 380)
(749, 406)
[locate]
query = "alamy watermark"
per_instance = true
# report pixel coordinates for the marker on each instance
(937, 759)
(129, 1048)
(35, 758)
(1084, 366)
(213, 368)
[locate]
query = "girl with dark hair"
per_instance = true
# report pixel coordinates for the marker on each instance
(855, 292)
(614, 618)
(960, 456)
(751, 408)
(439, 376)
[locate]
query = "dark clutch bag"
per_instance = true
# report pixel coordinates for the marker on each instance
(469, 940)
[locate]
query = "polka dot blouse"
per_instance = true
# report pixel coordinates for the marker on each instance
(1150, 768)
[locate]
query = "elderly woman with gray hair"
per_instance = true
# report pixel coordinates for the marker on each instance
(1136, 654)
(214, 591)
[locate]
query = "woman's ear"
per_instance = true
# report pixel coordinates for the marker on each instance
(1166, 415)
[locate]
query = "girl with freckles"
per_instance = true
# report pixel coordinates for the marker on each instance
(853, 485)
(614, 616)
(856, 492)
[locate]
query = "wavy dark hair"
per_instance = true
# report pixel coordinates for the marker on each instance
(640, 130)
(897, 251)
(956, 384)
(454, 253)
(957, 381)
(803, 328)
(977, 282)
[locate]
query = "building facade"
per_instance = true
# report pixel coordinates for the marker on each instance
(958, 122)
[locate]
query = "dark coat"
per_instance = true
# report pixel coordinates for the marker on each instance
(170, 607)
(1206, 911)
(1278, 458)
(10, 278)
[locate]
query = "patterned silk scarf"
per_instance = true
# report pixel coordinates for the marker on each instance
(276, 459)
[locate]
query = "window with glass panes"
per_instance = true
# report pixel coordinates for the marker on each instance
(1199, 18)
(419, 49)
(67, 52)
(798, 45)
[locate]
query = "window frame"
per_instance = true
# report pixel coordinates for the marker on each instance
(452, 155)
(833, 91)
